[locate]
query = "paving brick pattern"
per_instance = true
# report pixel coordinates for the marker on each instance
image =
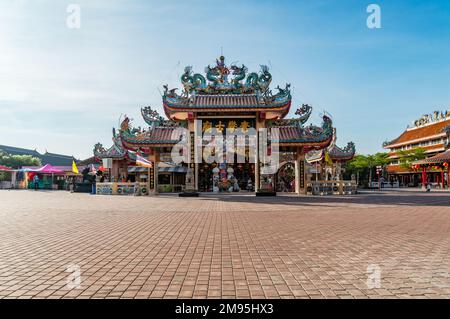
(224, 246)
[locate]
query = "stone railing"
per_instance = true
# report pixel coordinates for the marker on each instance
(121, 189)
(323, 188)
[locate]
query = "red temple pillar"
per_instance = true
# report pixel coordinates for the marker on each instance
(442, 179)
(424, 177)
(448, 176)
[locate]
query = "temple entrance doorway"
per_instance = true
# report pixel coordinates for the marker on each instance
(226, 177)
(286, 178)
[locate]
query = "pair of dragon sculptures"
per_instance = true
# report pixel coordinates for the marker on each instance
(219, 82)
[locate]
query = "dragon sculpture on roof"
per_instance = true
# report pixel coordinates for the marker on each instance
(153, 119)
(217, 80)
(303, 112)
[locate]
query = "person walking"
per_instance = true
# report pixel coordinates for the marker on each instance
(249, 185)
(36, 182)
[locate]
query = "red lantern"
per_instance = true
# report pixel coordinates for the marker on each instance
(445, 165)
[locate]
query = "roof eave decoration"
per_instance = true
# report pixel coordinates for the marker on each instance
(346, 153)
(153, 119)
(116, 151)
(113, 152)
(314, 156)
(335, 152)
(137, 139)
(303, 112)
(431, 118)
(311, 137)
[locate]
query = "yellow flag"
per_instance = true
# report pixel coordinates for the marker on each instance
(328, 159)
(74, 167)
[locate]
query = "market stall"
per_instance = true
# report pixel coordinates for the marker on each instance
(49, 177)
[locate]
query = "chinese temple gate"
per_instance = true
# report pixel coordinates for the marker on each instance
(225, 99)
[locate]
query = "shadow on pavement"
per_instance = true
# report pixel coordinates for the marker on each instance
(389, 198)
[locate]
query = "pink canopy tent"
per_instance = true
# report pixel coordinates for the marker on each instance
(46, 169)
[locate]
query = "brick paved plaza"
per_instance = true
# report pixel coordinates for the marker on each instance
(224, 246)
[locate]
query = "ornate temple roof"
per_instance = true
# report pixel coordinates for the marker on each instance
(335, 152)
(159, 132)
(226, 89)
(436, 159)
(217, 94)
(439, 158)
(427, 127)
(292, 132)
(157, 136)
(311, 137)
(116, 151)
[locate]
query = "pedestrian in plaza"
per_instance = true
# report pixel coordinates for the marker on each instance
(249, 185)
(137, 189)
(428, 187)
(36, 182)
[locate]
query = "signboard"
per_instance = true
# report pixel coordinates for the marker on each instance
(107, 162)
(221, 125)
(301, 169)
(152, 178)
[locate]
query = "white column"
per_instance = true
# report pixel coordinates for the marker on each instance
(197, 137)
(257, 182)
(155, 170)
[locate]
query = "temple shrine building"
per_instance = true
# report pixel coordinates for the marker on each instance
(226, 97)
(431, 133)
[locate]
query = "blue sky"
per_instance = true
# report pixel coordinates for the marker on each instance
(64, 89)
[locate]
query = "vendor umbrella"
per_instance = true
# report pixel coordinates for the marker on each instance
(5, 168)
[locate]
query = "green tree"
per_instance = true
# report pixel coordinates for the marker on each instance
(407, 157)
(357, 165)
(366, 163)
(378, 159)
(5, 176)
(17, 161)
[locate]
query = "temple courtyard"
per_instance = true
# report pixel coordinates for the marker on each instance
(376, 244)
